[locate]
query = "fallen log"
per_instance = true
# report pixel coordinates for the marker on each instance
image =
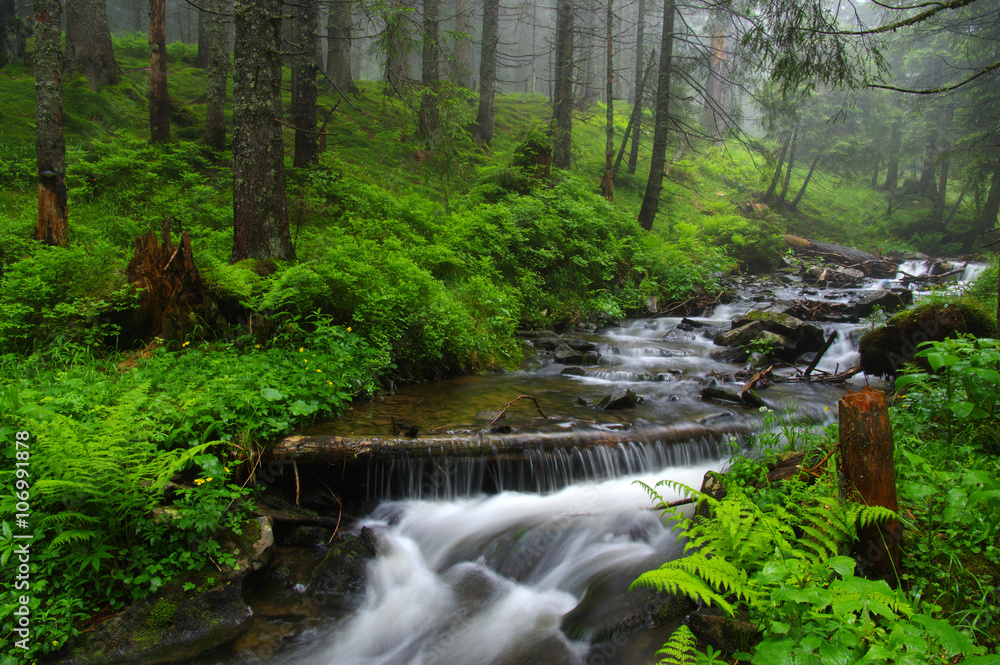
(339, 449)
(848, 257)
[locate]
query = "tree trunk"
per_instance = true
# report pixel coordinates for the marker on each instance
(305, 93)
(712, 117)
(638, 88)
(608, 183)
(805, 183)
(396, 41)
(927, 184)
(562, 107)
(769, 194)
(868, 475)
(633, 121)
(53, 225)
(486, 119)
(339, 28)
(88, 43)
(875, 168)
(590, 90)
(942, 190)
(988, 216)
(892, 166)
(661, 126)
(429, 71)
(14, 35)
(788, 166)
(159, 100)
(462, 70)
(218, 71)
(260, 219)
(204, 18)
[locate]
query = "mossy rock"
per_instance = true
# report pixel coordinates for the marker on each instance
(885, 350)
(343, 573)
(198, 612)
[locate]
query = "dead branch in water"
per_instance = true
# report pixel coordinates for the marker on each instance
(508, 405)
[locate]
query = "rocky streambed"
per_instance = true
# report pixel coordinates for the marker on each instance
(452, 522)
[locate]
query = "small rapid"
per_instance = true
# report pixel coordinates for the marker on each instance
(493, 579)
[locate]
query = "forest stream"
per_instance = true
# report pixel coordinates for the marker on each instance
(527, 557)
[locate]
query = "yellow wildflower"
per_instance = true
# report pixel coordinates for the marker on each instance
(301, 349)
(319, 370)
(348, 328)
(329, 383)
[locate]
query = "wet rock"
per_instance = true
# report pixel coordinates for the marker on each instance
(591, 358)
(608, 611)
(583, 401)
(305, 536)
(550, 649)
(343, 573)
(574, 371)
(567, 355)
(885, 350)
(749, 397)
(175, 624)
(580, 344)
(474, 586)
(730, 355)
(741, 336)
(547, 343)
(723, 633)
(886, 300)
(619, 399)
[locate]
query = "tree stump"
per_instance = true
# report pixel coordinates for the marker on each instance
(868, 475)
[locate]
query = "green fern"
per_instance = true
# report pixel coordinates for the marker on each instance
(679, 649)
(782, 562)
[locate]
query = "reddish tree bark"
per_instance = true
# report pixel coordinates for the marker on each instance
(485, 119)
(562, 105)
(53, 225)
(868, 475)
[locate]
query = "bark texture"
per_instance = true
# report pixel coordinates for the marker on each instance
(305, 92)
(159, 100)
(462, 69)
(868, 475)
(88, 43)
(638, 87)
(608, 182)
(661, 128)
(562, 105)
(216, 38)
(713, 117)
(339, 27)
(52, 227)
(485, 119)
(13, 35)
(260, 218)
(429, 71)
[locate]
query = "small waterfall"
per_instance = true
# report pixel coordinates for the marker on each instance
(491, 579)
(447, 477)
(972, 271)
(915, 268)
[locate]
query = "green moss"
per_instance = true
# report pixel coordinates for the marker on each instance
(885, 350)
(162, 614)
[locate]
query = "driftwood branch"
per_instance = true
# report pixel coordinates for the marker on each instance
(819, 354)
(508, 405)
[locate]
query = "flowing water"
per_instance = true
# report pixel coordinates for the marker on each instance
(527, 557)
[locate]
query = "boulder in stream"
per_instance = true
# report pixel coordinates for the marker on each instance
(619, 399)
(343, 573)
(887, 300)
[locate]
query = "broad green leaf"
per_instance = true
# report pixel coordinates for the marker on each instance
(844, 565)
(270, 394)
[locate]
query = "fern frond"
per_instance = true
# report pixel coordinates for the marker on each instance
(61, 518)
(680, 648)
(869, 515)
(678, 581)
(72, 536)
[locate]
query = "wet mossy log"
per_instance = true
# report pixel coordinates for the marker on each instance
(339, 449)
(849, 257)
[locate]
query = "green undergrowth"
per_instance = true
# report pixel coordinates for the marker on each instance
(135, 461)
(770, 555)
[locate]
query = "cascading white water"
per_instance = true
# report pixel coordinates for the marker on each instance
(489, 579)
